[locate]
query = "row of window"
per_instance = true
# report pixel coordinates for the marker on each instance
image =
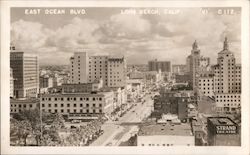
(224, 96)
(236, 88)
(72, 111)
(227, 100)
(72, 99)
(207, 84)
(221, 68)
(74, 105)
(238, 79)
(208, 80)
(21, 105)
(204, 92)
(205, 88)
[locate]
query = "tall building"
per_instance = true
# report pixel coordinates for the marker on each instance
(116, 72)
(79, 67)
(227, 81)
(195, 64)
(25, 74)
(155, 65)
(87, 69)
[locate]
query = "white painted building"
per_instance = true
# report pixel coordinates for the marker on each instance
(79, 105)
(165, 135)
(227, 81)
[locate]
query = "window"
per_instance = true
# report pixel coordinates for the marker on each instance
(81, 105)
(80, 99)
(61, 105)
(43, 105)
(49, 105)
(74, 110)
(55, 110)
(30, 105)
(100, 99)
(68, 98)
(87, 105)
(100, 110)
(68, 105)
(49, 110)
(87, 111)
(74, 105)
(68, 111)
(87, 98)
(100, 105)
(42, 99)
(94, 111)
(93, 105)
(61, 99)
(80, 110)
(74, 99)
(55, 99)
(93, 99)
(55, 105)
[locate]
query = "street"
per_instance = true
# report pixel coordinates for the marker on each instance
(116, 132)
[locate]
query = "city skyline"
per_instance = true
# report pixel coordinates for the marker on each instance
(143, 77)
(161, 37)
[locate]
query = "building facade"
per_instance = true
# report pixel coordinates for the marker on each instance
(155, 65)
(25, 73)
(206, 85)
(227, 81)
(78, 105)
(79, 101)
(11, 83)
(87, 69)
(18, 105)
(116, 72)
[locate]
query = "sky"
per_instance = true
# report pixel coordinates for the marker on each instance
(166, 36)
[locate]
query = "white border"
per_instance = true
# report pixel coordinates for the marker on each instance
(5, 42)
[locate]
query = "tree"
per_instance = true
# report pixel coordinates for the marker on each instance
(21, 129)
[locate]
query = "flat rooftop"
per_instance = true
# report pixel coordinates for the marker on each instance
(24, 100)
(165, 129)
(221, 121)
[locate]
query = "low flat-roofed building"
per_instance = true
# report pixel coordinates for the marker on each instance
(222, 131)
(165, 135)
(18, 105)
(78, 105)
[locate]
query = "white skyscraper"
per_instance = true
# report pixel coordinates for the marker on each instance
(227, 81)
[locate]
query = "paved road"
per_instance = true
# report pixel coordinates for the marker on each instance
(115, 133)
